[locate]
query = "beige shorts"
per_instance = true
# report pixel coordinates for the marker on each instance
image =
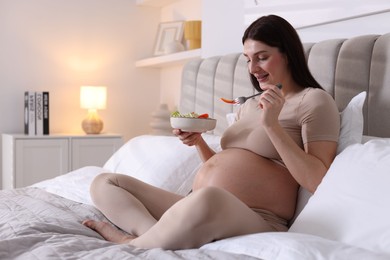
(276, 222)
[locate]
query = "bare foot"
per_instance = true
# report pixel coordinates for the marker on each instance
(109, 232)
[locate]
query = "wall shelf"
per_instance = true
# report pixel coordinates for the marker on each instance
(177, 58)
(155, 3)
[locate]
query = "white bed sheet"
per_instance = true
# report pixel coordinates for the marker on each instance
(73, 185)
(35, 224)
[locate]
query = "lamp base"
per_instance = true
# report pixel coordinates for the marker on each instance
(92, 124)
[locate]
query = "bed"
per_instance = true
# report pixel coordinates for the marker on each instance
(346, 218)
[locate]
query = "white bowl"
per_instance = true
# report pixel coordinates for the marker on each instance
(196, 125)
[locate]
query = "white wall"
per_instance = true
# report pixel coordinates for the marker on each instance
(60, 45)
(368, 24)
(170, 77)
(224, 23)
(324, 19)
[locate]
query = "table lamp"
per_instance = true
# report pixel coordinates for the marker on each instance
(93, 98)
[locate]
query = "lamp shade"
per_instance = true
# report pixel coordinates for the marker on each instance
(93, 97)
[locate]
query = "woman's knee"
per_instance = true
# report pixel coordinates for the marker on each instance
(98, 184)
(105, 183)
(102, 179)
(208, 201)
(201, 215)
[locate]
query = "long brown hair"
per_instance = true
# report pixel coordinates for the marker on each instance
(276, 32)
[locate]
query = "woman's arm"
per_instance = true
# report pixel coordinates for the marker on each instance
(195, 139)
(307, 166)
(205, 152)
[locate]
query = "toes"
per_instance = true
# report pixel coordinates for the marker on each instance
(89, 223)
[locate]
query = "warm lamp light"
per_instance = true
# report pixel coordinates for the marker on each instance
(193, 33)
(93, 98)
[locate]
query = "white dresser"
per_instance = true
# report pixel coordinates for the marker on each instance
(30, 159)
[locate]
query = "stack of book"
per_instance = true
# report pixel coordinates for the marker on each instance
(36, 113)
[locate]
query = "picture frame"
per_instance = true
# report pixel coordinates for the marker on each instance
(167, 33)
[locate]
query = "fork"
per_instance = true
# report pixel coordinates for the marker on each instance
(242, 100)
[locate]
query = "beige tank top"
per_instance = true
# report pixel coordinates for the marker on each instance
(310, 115)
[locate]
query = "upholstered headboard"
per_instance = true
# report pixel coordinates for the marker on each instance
(344, 67)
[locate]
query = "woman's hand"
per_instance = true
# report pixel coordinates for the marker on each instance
(195, 139)
(271, 102)
(188, 138)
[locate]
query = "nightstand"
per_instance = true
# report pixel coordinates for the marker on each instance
(30, 159)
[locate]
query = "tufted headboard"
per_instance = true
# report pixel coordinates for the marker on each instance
(344, 68)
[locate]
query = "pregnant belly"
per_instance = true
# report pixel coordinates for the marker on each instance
(257, 181)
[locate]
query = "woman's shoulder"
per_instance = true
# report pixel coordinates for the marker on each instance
(315, 100)
(317, 96)
(314, 92)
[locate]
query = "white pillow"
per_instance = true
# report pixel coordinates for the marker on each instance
(351, 131)
(162, 161)
(352, 203)
(231, 118)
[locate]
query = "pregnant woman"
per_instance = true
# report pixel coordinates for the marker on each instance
(282, 139)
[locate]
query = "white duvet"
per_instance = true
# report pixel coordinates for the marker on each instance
(35, 224)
